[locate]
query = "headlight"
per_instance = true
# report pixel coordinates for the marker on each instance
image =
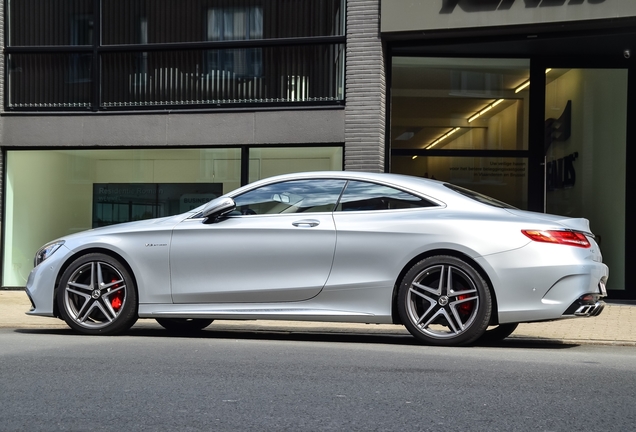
(46, 251)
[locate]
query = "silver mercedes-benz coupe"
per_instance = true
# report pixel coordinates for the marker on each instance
(451, 265)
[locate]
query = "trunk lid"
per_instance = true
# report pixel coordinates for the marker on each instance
(576, 224)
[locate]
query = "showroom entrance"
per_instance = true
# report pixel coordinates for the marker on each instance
(543, 133)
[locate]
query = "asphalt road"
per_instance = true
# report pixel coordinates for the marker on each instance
(227, 381)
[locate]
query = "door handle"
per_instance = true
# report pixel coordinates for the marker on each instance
(306, 223)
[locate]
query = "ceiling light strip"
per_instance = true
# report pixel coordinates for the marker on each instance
(443, 137)
(484, 110)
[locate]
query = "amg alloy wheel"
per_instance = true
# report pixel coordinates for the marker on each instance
(97, 295)
(443, 300)
(184, 324)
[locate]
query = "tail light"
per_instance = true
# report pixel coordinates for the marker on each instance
(571, 238)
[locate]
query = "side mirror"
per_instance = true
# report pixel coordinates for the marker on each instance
(217, 208)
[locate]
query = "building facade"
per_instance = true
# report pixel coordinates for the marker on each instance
(118, 110)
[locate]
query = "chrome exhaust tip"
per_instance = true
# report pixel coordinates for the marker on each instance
(588, 305)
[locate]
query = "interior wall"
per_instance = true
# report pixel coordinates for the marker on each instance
(61, 205)
(30, 203)
(268, 162)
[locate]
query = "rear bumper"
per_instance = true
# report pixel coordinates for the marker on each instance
(547, 282)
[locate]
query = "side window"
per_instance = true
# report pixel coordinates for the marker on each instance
(297, 196)
(359, 196)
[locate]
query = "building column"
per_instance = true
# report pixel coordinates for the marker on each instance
(2, 84)
(365, 111)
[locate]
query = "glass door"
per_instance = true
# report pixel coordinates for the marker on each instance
(585, 152)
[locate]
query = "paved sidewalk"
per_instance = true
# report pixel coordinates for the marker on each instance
(615, 326)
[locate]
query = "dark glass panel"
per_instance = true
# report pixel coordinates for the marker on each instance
(174, 21)
(60, 80)
(49, 23)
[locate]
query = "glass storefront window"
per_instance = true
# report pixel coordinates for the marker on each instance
(459, 104)
(505, 179)
(267, 162)
(454, 107)
(51, 193)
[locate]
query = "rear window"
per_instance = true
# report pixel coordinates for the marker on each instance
(363, 196)
(484, 199)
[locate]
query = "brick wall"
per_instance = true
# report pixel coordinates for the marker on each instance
(365, 112)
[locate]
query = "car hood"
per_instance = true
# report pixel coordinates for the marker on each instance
(577, 224)
(149, 224)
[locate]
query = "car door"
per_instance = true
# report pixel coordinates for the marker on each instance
(380, 228)
(278, 246)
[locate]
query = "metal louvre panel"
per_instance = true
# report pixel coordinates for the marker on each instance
(179, 21)
(158, 53)
(50, 23)
(60, 80)
(196, 77)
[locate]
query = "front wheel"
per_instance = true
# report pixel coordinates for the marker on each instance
(443, 300)
(97, 295)
(184, 324)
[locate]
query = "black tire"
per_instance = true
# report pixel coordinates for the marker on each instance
(185, 325)
(443, 300)
(97, 295)
(497, 333)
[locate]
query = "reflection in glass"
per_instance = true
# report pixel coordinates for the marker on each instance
(299, 196)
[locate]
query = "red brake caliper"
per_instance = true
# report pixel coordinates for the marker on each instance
(467, 307)
(118, 298)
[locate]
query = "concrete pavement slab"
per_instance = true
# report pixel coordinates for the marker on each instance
(616, 325)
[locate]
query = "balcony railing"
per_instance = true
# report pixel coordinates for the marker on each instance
(49, 81)
(183, 78)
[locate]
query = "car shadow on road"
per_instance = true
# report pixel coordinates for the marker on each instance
(309, 336)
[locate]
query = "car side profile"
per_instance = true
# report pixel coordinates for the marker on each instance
(449, 264)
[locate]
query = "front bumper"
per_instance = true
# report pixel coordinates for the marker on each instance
(40, 285)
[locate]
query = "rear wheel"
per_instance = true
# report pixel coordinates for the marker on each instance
(184, 324)
(443, 300)
(97, 295)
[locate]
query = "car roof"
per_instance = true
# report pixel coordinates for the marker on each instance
(422, 186)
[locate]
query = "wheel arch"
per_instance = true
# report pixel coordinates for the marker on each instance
(449, 252)
(83, 252)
